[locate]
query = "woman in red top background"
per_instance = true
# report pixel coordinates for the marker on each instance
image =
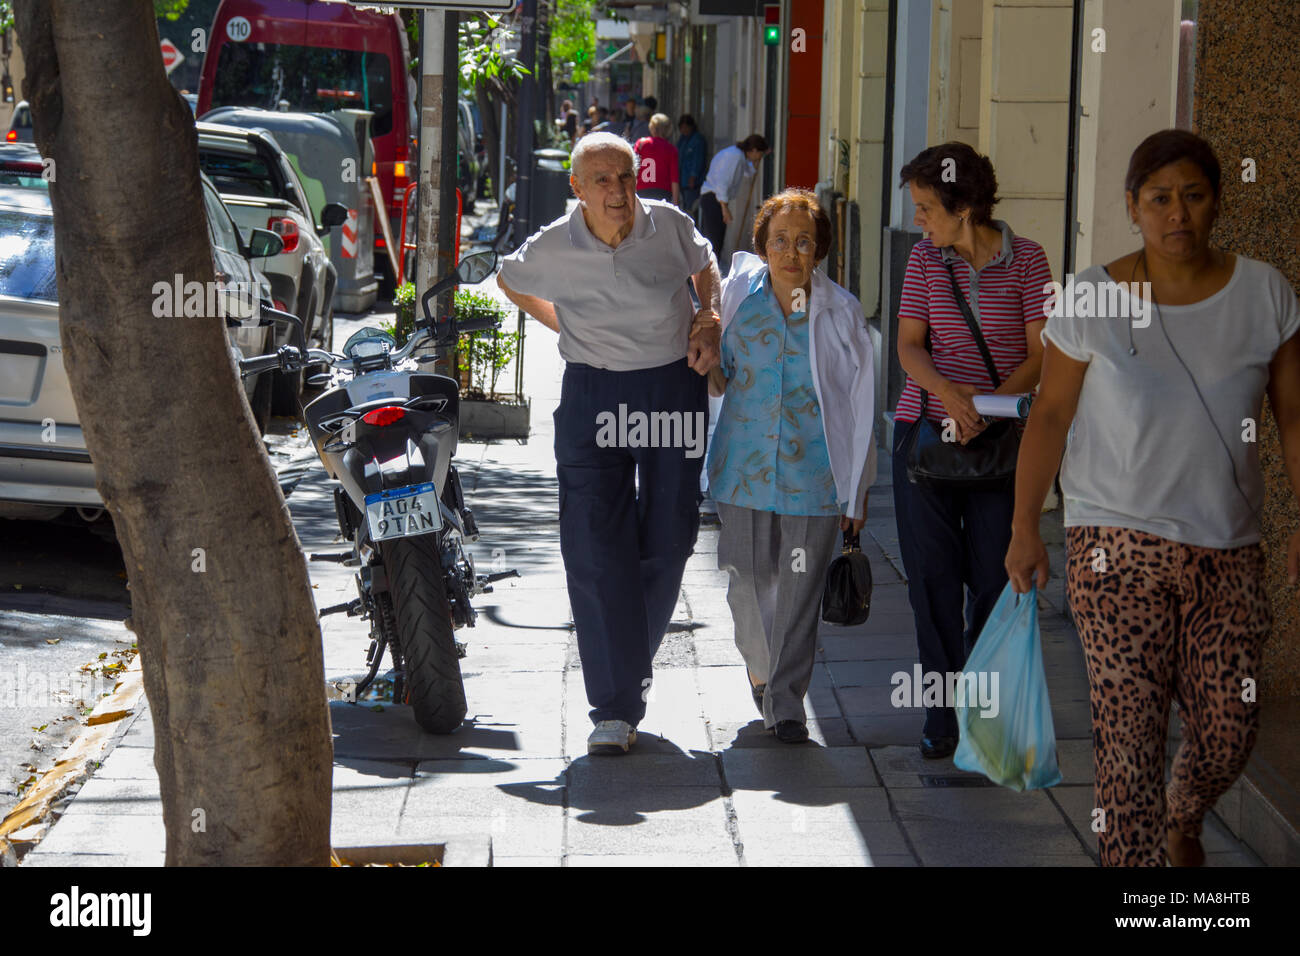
(657, 176)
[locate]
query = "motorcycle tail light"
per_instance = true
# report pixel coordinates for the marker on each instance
(387, 415)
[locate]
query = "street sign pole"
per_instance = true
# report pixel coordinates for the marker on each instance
(524, 227)
(437, 173)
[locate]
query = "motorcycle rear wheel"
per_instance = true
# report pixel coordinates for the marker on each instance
(434, 687)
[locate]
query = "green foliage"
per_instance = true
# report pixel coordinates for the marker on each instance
(7, 17)
(481, 60)
(169, 9)
(404, 305)
(573, 39)
(483, 354)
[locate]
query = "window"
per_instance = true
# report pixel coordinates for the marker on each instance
(224, 235)
(309, 78)
(237, 174)
(27, 256)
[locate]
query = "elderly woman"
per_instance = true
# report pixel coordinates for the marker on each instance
(792, 456)
(970, 273)
(610, 277)
(657, 171)
(1164, 571)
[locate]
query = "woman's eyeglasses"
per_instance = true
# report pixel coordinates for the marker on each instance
(781, 244)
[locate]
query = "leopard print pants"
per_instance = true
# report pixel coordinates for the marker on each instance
(1161, 620)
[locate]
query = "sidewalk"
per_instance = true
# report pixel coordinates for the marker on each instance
(704, 785)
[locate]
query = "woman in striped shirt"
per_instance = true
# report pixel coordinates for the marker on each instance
(954, 540)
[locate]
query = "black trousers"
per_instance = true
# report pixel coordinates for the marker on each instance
(712, 227)
(628, 521)
(954, 546)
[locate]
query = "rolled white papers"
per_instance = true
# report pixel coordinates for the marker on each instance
(1002, 406)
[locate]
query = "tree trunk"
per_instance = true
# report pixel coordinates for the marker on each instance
(220, 598)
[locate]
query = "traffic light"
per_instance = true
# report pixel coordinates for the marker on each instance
(772, 25)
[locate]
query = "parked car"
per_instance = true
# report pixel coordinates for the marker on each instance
(261, 190)
(20, 124)
(319, 146)
(44, 466)
(318, 57)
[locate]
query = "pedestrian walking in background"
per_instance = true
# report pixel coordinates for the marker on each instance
(1165, 574)
(793, 453)
(610, 278)
(568, 120)
(953, 540)
(718, 192)
(640, 127)
(657, 176)
(691, 153)
(623, 121)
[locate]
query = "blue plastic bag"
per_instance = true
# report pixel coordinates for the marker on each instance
(1003, 714)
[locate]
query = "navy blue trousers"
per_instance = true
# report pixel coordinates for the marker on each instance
(628, 521)
(954, 546)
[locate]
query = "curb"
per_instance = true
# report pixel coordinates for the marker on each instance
(31, 819)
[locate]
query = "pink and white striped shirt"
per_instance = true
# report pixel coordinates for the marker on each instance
(1006, 295)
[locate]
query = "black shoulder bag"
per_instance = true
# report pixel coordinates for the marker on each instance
(987, 462)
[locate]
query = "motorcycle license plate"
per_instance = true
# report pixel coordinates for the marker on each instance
(401, 512)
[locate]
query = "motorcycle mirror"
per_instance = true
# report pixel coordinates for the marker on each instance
(476, 268)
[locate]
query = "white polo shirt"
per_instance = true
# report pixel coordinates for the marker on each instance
(726, 173)
(620, 308)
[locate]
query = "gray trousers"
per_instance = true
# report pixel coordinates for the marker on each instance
(775, 597)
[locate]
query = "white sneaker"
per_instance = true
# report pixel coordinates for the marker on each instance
(611, 737)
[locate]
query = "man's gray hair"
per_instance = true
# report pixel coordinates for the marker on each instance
(596, 143)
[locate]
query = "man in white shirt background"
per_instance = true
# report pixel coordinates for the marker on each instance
(718, 192)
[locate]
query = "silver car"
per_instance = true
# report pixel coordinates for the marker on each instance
(44, 465)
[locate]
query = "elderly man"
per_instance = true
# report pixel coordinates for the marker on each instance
(610, 278)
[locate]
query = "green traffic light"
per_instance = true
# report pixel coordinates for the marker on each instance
(771, 35)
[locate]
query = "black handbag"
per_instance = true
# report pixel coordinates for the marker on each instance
(987, 462)
(847, 596)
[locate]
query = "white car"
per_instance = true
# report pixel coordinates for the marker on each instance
(44, 465)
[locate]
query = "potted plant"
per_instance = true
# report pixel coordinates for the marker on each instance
(480, 359)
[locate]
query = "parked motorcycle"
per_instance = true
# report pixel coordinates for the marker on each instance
(388, 435)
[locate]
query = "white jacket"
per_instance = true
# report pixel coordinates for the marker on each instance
(843, 370)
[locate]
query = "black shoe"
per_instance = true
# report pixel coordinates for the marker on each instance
(936, 748)
(790, 732)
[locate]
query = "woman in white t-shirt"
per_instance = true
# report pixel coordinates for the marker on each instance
(1160, 387)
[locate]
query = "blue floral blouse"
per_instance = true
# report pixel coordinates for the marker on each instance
(769, 448)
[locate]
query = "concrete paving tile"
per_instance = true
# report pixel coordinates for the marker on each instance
(489, 772)
(491, 659)
(1077, 804)
(626, 827)
(667, 860)
(535, 832)
(119, 796)
(352, 774)
(725, 694)
(714, 653)
(1238, 858)
(876, 700)
(861, 840)
(810, 806)
(42, 859)
(871, 647)
(802, 767)
(80, 831)
(822, 731)
(903, 766)
(128, 763)
(867, 673)
(1074, 758)
(528, 861)
(986, 827)
(361, 816)
(881, 730)
(635, 770)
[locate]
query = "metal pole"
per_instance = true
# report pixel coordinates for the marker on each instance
(437, 199)
(524, 120)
